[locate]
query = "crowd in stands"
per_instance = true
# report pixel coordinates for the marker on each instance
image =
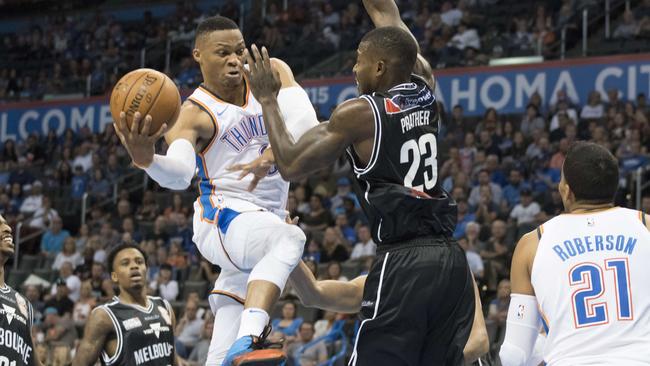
(502, 170)
(87, 54)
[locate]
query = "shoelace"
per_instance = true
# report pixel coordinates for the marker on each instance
(263, 343)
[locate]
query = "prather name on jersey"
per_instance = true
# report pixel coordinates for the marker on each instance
(415, 119)
(595, 243)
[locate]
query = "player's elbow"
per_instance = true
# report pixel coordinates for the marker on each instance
(291, 173)
(478, 348)
(512, 355)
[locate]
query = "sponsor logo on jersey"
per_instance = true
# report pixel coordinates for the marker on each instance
(132, 323)
(165, 315)
(367, 303)
(156, 329)
(22, 305)
(591, 221)
(9, 313)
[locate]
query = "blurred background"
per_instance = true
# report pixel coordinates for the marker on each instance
(519, 82)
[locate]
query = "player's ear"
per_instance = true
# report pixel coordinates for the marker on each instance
(114, 277)
(196, 55)
(381, 67)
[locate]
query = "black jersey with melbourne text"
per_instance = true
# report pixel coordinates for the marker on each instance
(16, 319)
(399, 189)
(144, 335)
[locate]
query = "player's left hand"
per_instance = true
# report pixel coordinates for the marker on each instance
(259, 167)
(263, 79)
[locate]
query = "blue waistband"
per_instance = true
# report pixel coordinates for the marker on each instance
(225, 217)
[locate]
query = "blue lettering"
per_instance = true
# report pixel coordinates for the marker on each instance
(238, 136)
(610, 242)
(579, 246)
(560, 252)
(226, 138)
(599, 242)
(260, 121)
(569, 248)
(244, 127)
(252, 126)
(620, 241)
(629, 247)
(588, 244)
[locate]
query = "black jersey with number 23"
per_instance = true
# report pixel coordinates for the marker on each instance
(398, 188)
(16, 319)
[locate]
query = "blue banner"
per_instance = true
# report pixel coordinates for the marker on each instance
(505, 88)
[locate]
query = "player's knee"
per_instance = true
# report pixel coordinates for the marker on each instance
(292, 243)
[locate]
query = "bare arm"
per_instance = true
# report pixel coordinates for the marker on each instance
(478, 343)
(384, 13)
(522, 262)
(98, 328)
(338, 296)
(318, 147)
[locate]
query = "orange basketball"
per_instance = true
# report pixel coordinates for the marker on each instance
(149, 92)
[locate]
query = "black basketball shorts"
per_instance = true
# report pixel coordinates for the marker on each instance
(418, 306)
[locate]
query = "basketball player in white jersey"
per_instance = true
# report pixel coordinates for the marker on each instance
(221, 125)
(583, 274)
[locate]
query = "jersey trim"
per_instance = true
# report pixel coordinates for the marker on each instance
(207, 110)
(228, 294)
(376, 144)
(109, 360)
(5, 289)
(206, 192)
(540, 231)
(216, 98)
(642, 218)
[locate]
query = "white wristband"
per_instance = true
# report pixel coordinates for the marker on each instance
(522, 328)
(176, 169)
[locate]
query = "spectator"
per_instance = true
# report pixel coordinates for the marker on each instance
(563, 109)
(343, 190)
(60, 300)
(79, 183)
(532, 121)
(199, 355)
(33, 294)
(613, 101)
(324, 325)
(558, 158)
(347, 231)
(72, 281)
(473, 259)
(594, 108)
(164, 286)
(464, 216)
(177, 212)
(34, 201)
(511, 190)
(97, 276)
(496, 255)
(59, 330)
(289, 323)
(68, 254)
(366, 247)
(313, 251)
(44, 215)
(21, 175)
(525, 211)
(333, 247)
(334, 272)
(177, 258)
(188, 330)
(312, 356)
(498, 312)
(484, 181)
(85, 304)
(100, 189)
(450, 16)
(318, 217)
(149, 208)
(52, 241)
(627, 29)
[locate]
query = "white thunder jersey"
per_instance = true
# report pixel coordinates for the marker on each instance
(590, 276)
(241, 138)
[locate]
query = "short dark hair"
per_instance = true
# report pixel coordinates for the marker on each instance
(115, 251)
(215, 23)
(394, 43)
(591, 171)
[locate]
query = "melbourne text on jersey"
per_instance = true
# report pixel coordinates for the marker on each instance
(15, 343)
(594, 243)
(238, 136)
(153, 352)
(415, 119)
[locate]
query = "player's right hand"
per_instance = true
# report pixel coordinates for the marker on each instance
(138, 143)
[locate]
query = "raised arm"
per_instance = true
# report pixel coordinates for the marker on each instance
(98, 327)
(384, 13)
(318, 147)
(338, 296)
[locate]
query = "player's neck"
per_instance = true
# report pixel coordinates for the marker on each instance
(134, 297)
(2, 271)
(579, 208)
(392, 81)
(234, 95)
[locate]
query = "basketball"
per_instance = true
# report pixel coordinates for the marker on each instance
(149, 92)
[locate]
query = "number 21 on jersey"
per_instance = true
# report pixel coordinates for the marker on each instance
(412, 152)
(588, 279)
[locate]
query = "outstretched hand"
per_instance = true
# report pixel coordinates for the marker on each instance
(259, 167)
(138, 143)
(263, 79)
